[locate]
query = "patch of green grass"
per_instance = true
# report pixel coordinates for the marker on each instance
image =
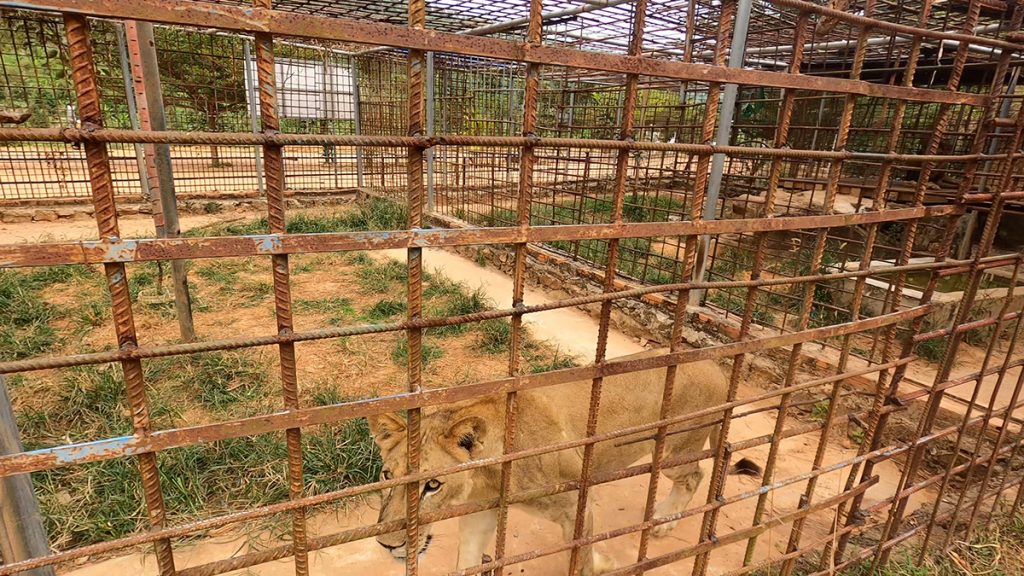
(556, 362)
(494, 336)
(459, 303)
(819, 412)
(379, 277)
(932, 349)
(439, 286)
(252, 293)
(338, 310)
(222, 379)
(25, 324)
(335, 457)
(358, 258)
(385, 310)
(248, 228)
(733, 300)
(645, 208)
(378, 214)
(213, 207)
(428, 352)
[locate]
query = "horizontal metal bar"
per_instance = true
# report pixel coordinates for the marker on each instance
(872, 23)
(248, 19)
(107, 449)
(144, 250)
(116, 135)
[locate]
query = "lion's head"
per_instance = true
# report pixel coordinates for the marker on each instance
(450, 436)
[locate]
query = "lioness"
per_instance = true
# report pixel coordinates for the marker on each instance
(475, 429)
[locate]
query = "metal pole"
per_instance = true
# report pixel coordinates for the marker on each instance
(430, 129)
(22, 534)
(357, 119)
(254, 115)
(133, 112)
(142, 49)
(726, 113)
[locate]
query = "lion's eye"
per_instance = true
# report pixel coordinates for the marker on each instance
(386, 474)
(432, 485)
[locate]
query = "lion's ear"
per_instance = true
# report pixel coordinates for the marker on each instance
(386, 427)
(468, 435)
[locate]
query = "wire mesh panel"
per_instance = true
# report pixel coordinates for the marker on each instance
(801, 174)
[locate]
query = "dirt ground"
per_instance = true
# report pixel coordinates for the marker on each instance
(569, 330)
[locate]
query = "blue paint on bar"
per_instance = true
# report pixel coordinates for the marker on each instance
(121, 250)
(99, 449)
(267, 244)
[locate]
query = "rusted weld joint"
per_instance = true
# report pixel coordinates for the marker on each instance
(532, 140)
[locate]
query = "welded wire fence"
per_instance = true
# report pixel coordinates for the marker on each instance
(603, 148)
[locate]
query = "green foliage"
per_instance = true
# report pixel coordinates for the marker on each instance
(819, 412)
(385, 310)
(557, 362)
(932, 349)
(338, 310)
(494, 336)
(213, 208)
(428, 352)
(459, 302)
(223, 379)
(26, 322)
(379, 277)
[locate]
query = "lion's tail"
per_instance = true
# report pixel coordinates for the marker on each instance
(743, 466)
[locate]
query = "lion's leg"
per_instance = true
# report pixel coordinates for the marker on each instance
(475, 531)
(562, 510)
(685, 481)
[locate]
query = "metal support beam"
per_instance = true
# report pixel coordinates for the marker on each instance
(429, 109)
(357, 119)
(254, 113)
(146, 74)
(133, 112)
(22, 534)
(725, 118)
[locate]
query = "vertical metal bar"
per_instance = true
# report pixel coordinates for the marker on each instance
(22, 533)
(357, 119)
(625, 116)
(416, 65)
(133, 117)
(430, 130)
(682, 297)
(142, 49)
(980, 440)
(254, 116)
(721, 451)
(83, 75)
(994, 215)
(523, 211)
(273, 165)
(834, 174)
(876, 419)
(934, 400)
(781, 139)
(726, 112)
